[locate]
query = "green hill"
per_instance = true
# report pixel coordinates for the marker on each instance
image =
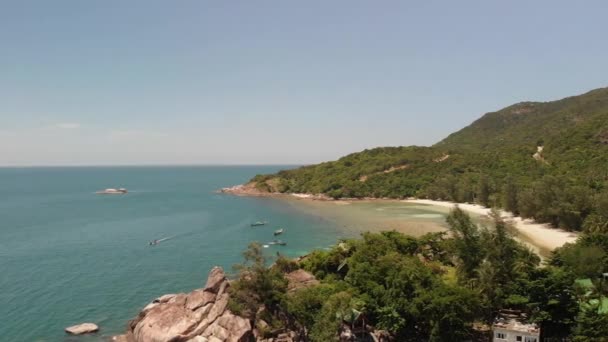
(546, 160)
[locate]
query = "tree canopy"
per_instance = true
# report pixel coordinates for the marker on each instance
(431, 288)
(543, 160)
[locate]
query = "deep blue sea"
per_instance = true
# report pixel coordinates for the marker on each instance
(69, 256)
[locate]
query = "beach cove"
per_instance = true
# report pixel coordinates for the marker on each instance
(413, 216)
(417, 217)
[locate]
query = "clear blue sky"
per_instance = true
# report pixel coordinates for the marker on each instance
(208, 82)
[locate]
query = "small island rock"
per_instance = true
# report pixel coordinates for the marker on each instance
(84, 328)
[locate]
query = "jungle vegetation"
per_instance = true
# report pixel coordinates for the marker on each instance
(542, 160)
(433, 288)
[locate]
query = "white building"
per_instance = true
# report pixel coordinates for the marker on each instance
(509, 326)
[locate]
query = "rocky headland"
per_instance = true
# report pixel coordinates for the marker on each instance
(251, 189)
(203, 316)
(248, 189)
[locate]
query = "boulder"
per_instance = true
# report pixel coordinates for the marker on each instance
(198, 316)
(199, 298)
(205, 317)
(239, 327)
(84, 328)
(300, 279)
(205, 328)
(215, 279)
(164, 298)
(198, 339)
(199, 329)
(230, 328)
(203, 311)
(164, 323)
(223, 287)
(150, 307)
(218, 308)
(179, 299)
(217, 331)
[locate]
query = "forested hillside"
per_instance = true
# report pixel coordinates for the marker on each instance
(545, 160)
(439, 287)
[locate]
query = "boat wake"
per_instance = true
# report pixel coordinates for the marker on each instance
(157, 241)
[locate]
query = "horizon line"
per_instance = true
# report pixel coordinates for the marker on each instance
(144, 165)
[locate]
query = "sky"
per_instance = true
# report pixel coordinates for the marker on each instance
(118, 82)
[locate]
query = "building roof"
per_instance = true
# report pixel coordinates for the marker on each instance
(515, 321)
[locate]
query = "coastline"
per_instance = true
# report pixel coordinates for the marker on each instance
(539, 235)
(212, 300)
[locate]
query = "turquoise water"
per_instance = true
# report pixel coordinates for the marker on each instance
(68, 255)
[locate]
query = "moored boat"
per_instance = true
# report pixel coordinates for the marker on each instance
(278, 232)
(259, 223)
(277, 242)
(111, 191)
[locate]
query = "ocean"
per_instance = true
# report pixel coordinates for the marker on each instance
(68, 255)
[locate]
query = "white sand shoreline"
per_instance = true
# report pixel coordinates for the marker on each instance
(538, 235)
(542, 235)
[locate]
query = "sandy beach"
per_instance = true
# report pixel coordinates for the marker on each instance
(539, 234)
(536, 235)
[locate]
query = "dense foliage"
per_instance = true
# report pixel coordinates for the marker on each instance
(431, 288)
(546, 161)
(495, 162)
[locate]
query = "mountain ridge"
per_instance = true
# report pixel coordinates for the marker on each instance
(544, 160)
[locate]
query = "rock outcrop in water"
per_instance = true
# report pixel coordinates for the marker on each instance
(198, 316)
(80, 329)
